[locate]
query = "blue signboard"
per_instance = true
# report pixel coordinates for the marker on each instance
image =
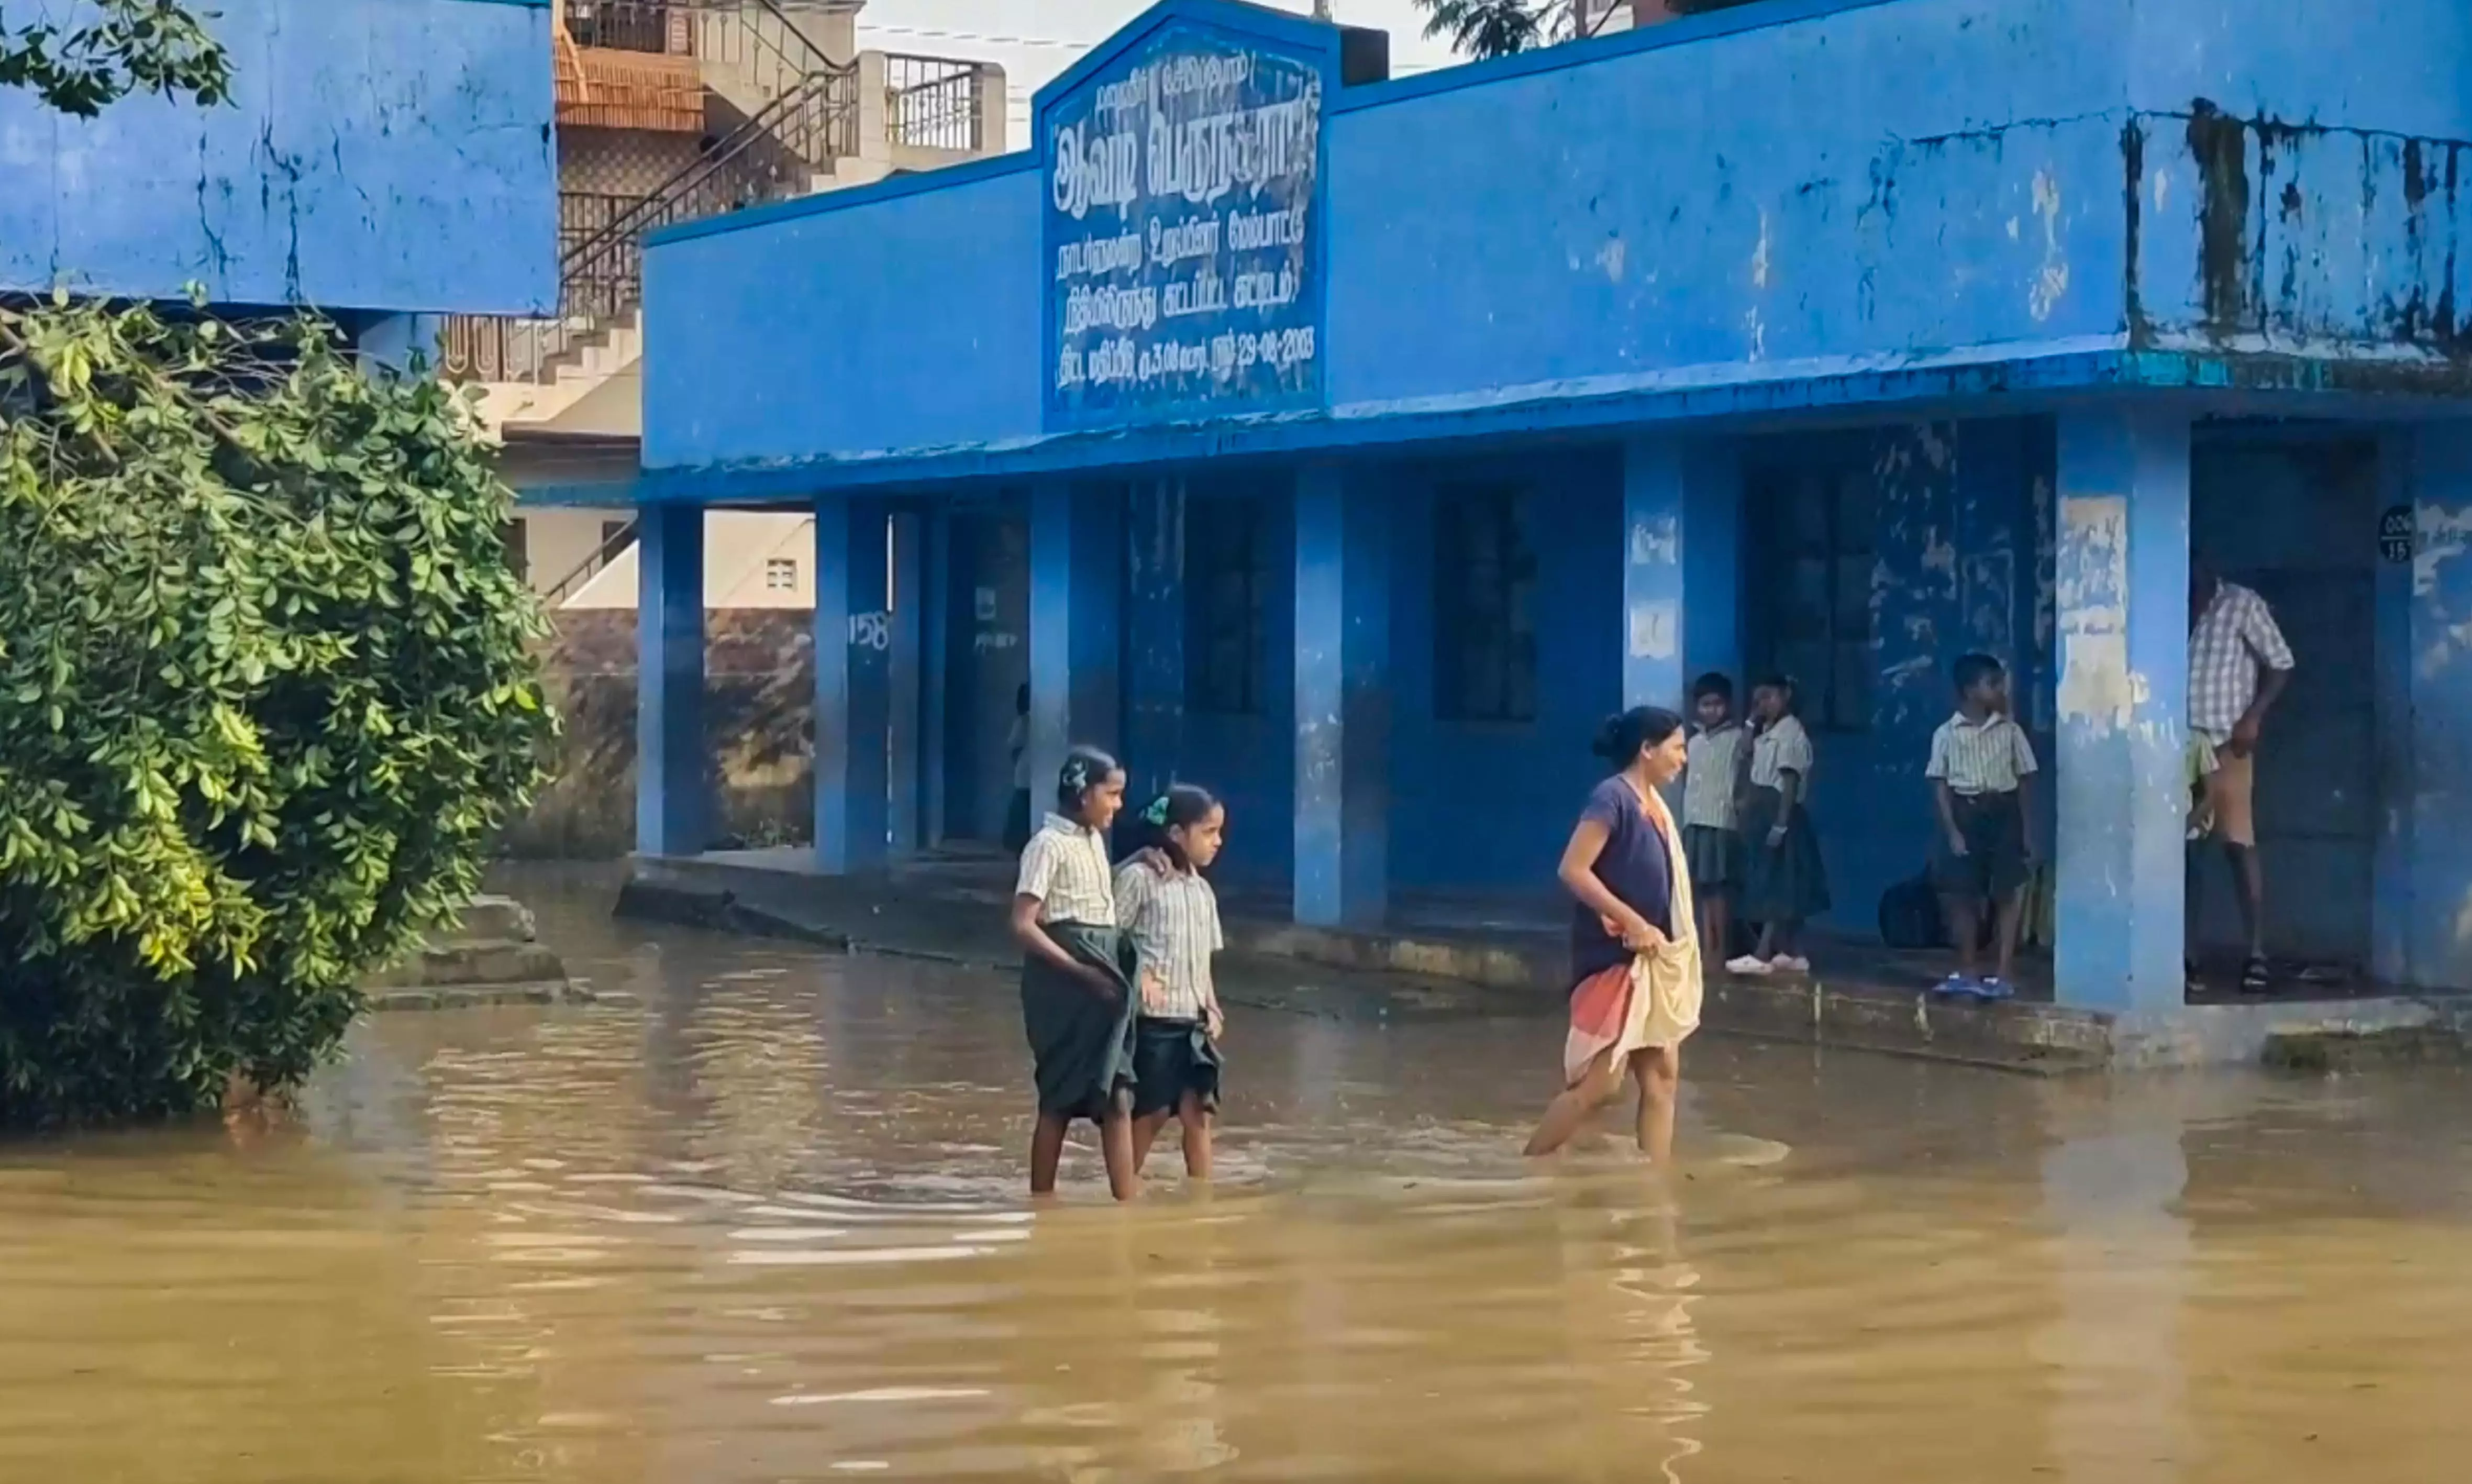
(1184, 234)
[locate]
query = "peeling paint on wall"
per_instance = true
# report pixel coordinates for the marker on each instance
(1610, 258)
(2443, 535)
(2097, 688)
(2052, 283)
(1655, 540)
(1654, 630)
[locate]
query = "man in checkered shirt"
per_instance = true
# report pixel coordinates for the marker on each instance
(2238, 665)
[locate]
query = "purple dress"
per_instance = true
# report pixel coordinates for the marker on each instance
(1636, 865)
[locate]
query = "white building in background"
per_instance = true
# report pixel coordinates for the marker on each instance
(669, 110)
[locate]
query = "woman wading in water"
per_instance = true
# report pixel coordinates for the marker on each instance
(1634, 946)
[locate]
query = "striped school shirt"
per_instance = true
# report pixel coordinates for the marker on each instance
(1065, 867)
(1173, 919)
(1973, 758)
(1712, 783)
(1783, 748)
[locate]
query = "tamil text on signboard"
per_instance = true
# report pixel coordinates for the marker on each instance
(1182, 234)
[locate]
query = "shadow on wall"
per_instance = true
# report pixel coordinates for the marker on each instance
(759, 698)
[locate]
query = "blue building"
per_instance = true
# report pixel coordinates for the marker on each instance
(382, 160)
(1354, 444)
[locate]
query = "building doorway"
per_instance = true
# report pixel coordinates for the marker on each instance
(2291, 512)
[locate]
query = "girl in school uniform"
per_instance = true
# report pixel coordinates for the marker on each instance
(1076, 975)
(1784, 883)
(1171, 916)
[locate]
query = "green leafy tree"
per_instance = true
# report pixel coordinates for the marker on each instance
(123, 47)
(1490, 28)
(266, 692)
(1498, 28)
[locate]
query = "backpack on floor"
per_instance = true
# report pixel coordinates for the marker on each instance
(1910, 915)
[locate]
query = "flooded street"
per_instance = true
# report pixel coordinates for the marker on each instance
(770, 1225)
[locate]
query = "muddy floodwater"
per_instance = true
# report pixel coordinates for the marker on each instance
(769, 1224)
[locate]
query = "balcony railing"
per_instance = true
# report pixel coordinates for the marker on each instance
(601, 276)
(931, 102)
(658, 26)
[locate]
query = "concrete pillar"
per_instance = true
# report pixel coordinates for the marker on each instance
(905, 614)
(1683, 523)
(2423, 865)
(1076, 585)
(988, 108)
(1155, 641)
(854, 684)
(1342, 701)
(875, 116)
(673, 768)
(2122, 594)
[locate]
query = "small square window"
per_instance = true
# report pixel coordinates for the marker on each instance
(781, 574)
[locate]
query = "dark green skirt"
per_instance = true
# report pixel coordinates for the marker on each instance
(1783, 882)
(1081, 1044)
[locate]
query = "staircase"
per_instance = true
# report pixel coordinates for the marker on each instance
(797, 114)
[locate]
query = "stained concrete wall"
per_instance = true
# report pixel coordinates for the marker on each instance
(1960, 181)
(376, 155)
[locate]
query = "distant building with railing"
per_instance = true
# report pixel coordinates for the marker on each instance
(667, 111)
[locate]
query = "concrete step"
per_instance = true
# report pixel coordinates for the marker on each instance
(497, 920)
(470, 963)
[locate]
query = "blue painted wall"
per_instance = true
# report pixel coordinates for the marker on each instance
(1638, 215)
(377, 156)
(1250, 761)
(913, 323)
(1489, 804)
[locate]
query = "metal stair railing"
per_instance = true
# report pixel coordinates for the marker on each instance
(602, 276)
(610, 549)
(931, 101)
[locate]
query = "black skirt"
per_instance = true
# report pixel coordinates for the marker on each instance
(1172, 1058)
(1081, 1044)
(1784, 882)
(1714, 857)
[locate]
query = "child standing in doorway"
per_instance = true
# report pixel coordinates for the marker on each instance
(1784, 882)
(1981, 772)
(1076, 975)
(1712, 793)
(1171, 916)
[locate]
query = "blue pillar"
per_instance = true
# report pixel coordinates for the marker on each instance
(1076, 585)
(1682, 616)
(1343, 699)
(936, 663)
(905, 616)
(2424, 862)
(1154, 636)
(854, 684)
(2123, 597)
(673, 768)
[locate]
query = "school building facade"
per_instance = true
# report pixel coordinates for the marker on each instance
(1353, 446)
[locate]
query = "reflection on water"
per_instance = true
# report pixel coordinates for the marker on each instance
(770, 1226)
